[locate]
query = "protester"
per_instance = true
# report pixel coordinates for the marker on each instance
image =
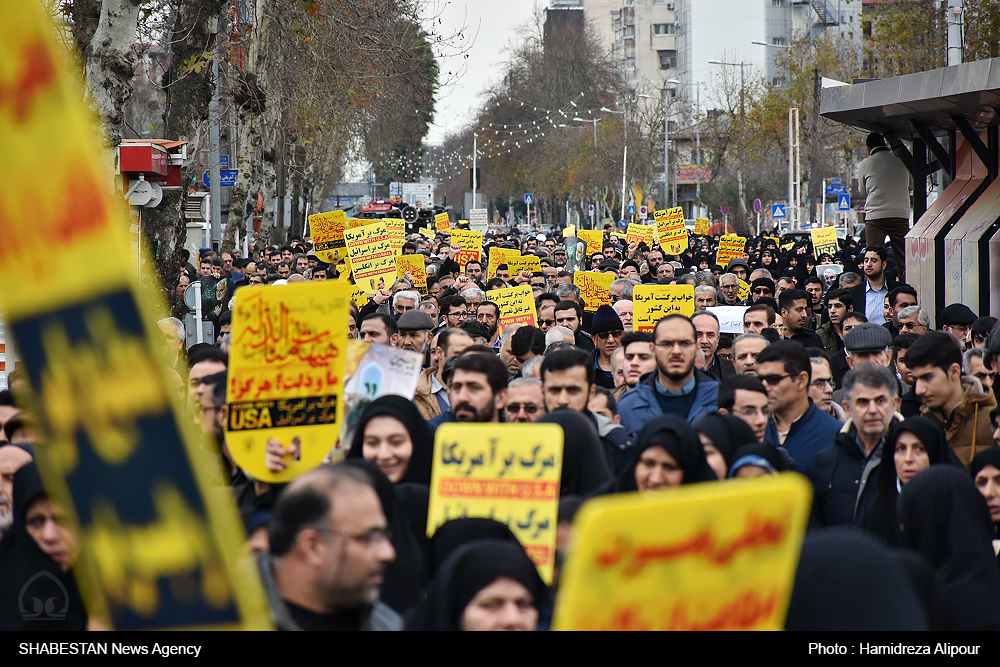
(477, 390)
(756, 460)
(431, 394)
(525, 400)
(706, 325)
(607, 330)
(721, 436)
(12, 459)
(393, 435)
(746, 347)
(745, 397)
(584, 466)
(985, 470)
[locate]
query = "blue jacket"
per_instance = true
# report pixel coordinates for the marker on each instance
(809, 435)
(639, 404)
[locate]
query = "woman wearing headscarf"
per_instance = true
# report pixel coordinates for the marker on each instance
(946, 520)
(721, 435)
(37, 588)
(985, 469)
(847, 581)
(584, 466)
(406, 576)
(483, 585)
(395, 437)
(757, 460)
(667, 453)
(768, 261)
(913, 445)
(454, 534)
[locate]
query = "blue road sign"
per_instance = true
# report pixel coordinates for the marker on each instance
(223, 160)
(844, 203)
(528, 200)
(228, 178)
(631, 209)
(777, 210)
(623, 224)
(756, 206)
(836, 189)
(835, 180)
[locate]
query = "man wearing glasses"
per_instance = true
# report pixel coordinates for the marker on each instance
(455, 310)
(730, 287)
(525, 401)
(821, 389)
(676, 387)
(745, 397)
(607, 331)
(957, 319)
(913, 320)
(796, 423)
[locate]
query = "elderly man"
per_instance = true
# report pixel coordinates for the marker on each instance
(625, 309)
(844, 474)
(914, 320)
(707, 326)
(704, 297)
(730, 287)
(405, 300)
(957, 319)
(620, 289)
(174, 340)
(746, 347)
(415, 330)
(607, 330)
(525, 401)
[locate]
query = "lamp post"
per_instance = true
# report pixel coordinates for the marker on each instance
(697, 141)
(595, 121)
(624, 152)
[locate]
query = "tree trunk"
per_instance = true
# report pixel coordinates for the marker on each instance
(188, 96)
(110, 64)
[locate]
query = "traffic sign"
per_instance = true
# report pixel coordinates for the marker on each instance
(777, 210)
(528, 200)
(223, 160)
(836, 189)
(642, 211)
(591, 208)
(724, 209)
(623, 225)
(844, 203)
(631, 209)
(756, 206)
(227, 178)
(835, 180)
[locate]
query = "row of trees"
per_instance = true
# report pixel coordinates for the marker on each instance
(307, 84)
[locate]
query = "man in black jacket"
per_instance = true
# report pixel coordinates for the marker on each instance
(843, 475)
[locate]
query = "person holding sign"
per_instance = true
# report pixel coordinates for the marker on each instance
(677, 387)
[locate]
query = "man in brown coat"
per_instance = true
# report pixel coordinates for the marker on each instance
(431, 396)
(958, 403)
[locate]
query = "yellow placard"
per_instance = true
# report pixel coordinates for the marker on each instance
(510, 474)
(730, 247)
(328, 235)
(594, 238)
(673, 234)
(570, 230)
(516, 305)
(397, 233)
(638, 233)
(159, 541)
(414, 265)
(471, 243)
(651, 303)
(499, 256)
(523, 263)
(594, 288)
(667, 218)
(286, 374)
(442, 222)
(825, 241)
(743, 290)
(701, 226)
(788, 246)
(426, 231)
(359, 297)
(354, 223)
(711, 556)
(373, 262)
(776, 240)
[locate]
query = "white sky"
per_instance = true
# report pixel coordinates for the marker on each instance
(474, 60)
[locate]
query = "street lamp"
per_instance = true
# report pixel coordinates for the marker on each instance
(595, 121)
(697, 140)
(624, 152)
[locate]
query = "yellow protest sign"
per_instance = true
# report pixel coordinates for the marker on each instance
(354, 223)
(159, 541)
(776, 240)
(594, 238)
(425, 231)
(743, 290)
(825, 241)
(672, 233)
(286, 374)
(730, 247)
(712, 556)
(414, 265)
(569, 231)
(359, 297)
(523, 263)
(510, 474)
(668, 218)
(499, 256)
(442, 222)
(788, 246)
(651, 303)
(638, 233)
(397, 233)
(471, 243)
(373, 262)
(328, 235)
(594, 288)
(701, 226)
(516, 304)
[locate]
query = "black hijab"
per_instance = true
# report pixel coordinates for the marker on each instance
(458, 532)
(847, 581)
(883, 518)
(419, 469)
(32, 585)
(584, 467)
(468, 570)
(945, 519)
(679, 440)
(762, 455)
(727, 433)
(406, 576)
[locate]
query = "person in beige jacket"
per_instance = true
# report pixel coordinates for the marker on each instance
(958, 403)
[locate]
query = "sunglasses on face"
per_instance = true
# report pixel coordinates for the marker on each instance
(514, 408)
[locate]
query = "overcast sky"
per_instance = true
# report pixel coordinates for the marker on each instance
(470, 62)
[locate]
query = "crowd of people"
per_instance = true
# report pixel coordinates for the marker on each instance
(837, 376)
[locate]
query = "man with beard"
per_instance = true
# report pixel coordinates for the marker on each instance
(12, 458)
(431, 395)
(415, 330)
(677, 387)
(477, 391)
(488, 314)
